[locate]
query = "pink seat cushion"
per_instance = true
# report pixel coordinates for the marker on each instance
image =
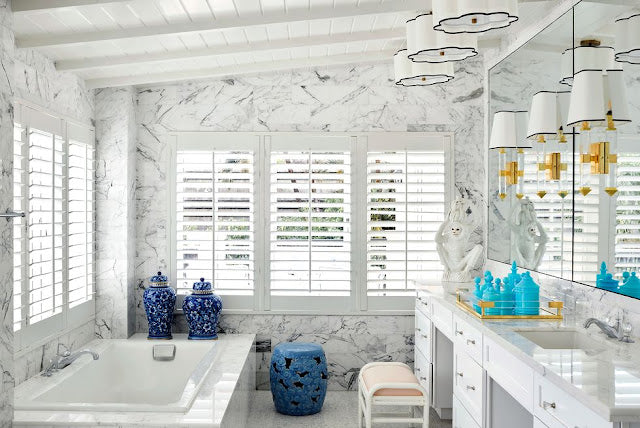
(375, 375)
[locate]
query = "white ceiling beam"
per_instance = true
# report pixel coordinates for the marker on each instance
(241, 69)
(108, 62)
(22, 6)
(219, 24)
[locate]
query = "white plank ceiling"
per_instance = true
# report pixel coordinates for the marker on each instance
(123, 42)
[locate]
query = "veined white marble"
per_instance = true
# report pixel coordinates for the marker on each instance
(115, 212)
(614, 366)
(226, 387)
(6, 201)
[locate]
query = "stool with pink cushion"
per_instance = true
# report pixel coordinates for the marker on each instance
(391, 384)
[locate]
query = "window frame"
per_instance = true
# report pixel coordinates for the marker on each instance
(358, 302)
(29, 336)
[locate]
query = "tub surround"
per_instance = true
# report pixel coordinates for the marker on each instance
(592, 378)
(222, 400)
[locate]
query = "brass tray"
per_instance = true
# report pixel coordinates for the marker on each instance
(553, 311)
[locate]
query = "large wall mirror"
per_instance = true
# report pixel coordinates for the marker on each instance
(564, 149)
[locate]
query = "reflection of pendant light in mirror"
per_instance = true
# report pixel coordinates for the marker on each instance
(409, 73)
(509, 138)
(628, 39)
(598, 104)
(546, 127)
(588, 56)
(473, 16)
(429, 45)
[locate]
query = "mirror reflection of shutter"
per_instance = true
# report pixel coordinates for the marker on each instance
(45, 224)
(627, 240)
(20, 263)
(551, 210)
(405, 207)
(587, 216)
(310, 233)
(215, 203)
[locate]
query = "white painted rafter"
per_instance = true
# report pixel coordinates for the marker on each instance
(241, 69)
(22, 6)
(297, 42)
(297, 15)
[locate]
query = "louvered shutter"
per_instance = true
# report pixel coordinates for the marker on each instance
(627, 238)
(215, 223)
(405, 207)
(310, 222)
(20, 255)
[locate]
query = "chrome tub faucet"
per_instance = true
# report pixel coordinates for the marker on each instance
(63, 359)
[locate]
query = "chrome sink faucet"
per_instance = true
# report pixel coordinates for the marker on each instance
(620, 330)
(63, 359)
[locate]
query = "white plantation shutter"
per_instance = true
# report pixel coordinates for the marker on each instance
(555, 215)
(405, 207)
(53, 244)
(627, 236)
(215, 223)
(310, 217)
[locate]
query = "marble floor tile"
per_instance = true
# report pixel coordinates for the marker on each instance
(339, 411)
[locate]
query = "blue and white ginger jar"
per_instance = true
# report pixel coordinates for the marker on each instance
(159, 303)
(202, 309)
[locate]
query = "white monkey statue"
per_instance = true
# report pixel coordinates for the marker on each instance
(457, 256)
(528, 238)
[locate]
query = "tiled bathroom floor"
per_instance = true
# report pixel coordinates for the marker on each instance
(340, 410)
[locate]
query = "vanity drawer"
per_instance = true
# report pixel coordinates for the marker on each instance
(423, 304)
(468, 338)
(442, 318)
(557, 409)
(512, 374)
(423, 335)
(462, 418)
(468, 383)
(538, 424)
(424, 372)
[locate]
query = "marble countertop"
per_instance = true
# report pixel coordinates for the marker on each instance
(606, 380)
(208, 407)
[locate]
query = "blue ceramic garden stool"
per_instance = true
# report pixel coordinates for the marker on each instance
(299, 376)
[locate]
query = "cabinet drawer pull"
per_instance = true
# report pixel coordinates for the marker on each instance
(473, 388)
(425, 336)
(471, 342)
(418, 369)
(423, 378)
(418, 329)
(459, 332)
(546, 404)
(460, 374)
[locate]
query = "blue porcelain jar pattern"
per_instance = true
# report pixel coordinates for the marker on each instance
(159, 302)
(202, 309)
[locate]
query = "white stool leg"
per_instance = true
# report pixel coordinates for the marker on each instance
(367, 413)
(425, 415)
(360, 414)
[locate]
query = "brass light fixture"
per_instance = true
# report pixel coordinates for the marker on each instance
(508, 137)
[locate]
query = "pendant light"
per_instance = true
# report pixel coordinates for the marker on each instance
(588, 56)
(408, 73)
(546, 126)
(473, 16)
(509, 138)
(429, 45)
(598, 105)
(628, 39)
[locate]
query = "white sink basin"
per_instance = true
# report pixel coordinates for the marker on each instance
(561, 339)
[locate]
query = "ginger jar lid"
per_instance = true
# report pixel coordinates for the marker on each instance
(159, 280)
(202, 287)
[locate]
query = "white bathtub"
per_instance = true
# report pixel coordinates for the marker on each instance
(126, 378)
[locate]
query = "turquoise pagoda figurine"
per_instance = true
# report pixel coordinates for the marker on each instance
(491, 295)
(202, 309)
(507, 298)
(631, 287)
(527, 296)
(477, 292)
(159, 302)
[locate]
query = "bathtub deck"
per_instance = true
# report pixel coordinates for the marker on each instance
(223, 400)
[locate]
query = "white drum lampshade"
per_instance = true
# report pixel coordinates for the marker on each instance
(615, 97)
(563, 98)
(426, 73)
(509, 130)
(587, 99)
(401, 67)
(543, 116)
(430, 45)
(473, 16)
(628, 39)
(583, 58)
